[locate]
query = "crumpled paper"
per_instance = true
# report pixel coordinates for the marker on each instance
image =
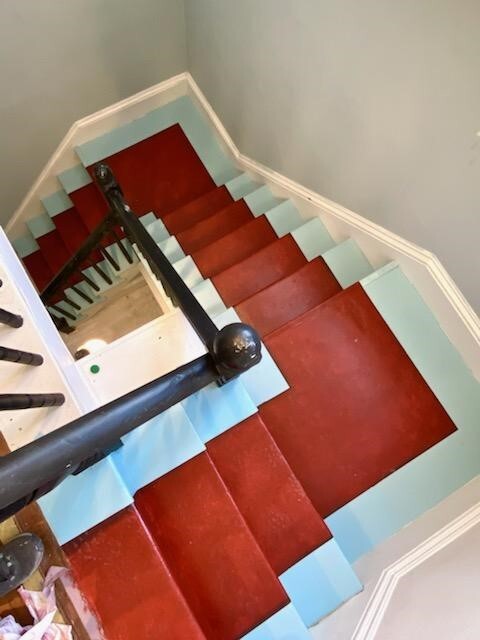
(43, 607)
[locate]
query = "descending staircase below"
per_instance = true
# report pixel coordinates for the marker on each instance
(233, 543)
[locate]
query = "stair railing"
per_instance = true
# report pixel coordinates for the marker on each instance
(36, 468)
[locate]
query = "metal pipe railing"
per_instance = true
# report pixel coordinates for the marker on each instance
(20, 357)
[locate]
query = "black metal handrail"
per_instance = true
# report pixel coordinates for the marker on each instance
(31, 471)
(36, 468)
(237, 346)
(81, 259)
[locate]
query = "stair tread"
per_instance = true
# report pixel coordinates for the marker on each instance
(90, 205)
(71, 229)
(38, 268)
(357, 408)
(160, 173)
(197, 210)
(289, 298)
(224, 576)
(267, 493)
(234, 247)
(268, 265)
(127, 583)
(216, 226)
(54, 250)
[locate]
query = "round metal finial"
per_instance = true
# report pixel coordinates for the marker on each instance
(105, 178)
(237, 347)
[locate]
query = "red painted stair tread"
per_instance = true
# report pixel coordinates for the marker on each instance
(357, 408)
(268, 495)
(38, 268)
(160, 173)
(90, 205)
(287, 299)
(268, 265)
(127, 584)
(71, 229)
(234, 247)
(53, 249)
(220, 569)
(215, 226)
(197, 210)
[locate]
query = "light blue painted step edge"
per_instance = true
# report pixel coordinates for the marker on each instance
(40, 225)
(74, 178)
(57, 202)
(261, 200)
(81, 502)
(181, 111)
(285, 624)
(284, 218)
(313, 238)
(241, 186)
(207, 295)
(345, 260)
(188, 271)
(319, 583)
(155, 448)
(425, 481)
(25, 245)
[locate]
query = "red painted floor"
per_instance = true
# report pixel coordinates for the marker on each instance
(268, 265)
(38, 268)
(90, 205)
(225, 578)
(268, 495)
(287, 299)
(233, 247)
(54, 250)
(357, 408)
(71, 229)
(197, 210)
(161, 173)
(127, 583)
(214, 227)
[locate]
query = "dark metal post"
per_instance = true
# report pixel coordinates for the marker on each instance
(20, 357)
(15, 401)
(11, 319)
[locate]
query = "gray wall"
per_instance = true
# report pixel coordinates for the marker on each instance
(61, 60)
(373, 103)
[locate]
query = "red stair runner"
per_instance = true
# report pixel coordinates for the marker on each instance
(357, 408)
(234, 247)
(287, 299)
(215, 226)
(268, 495)
(197, 210)
(38, 268)
(224, 576)
(71, 229)
(127, 583)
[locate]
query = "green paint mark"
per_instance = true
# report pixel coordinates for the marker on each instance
(94, 368)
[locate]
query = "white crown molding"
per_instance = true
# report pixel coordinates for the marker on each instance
(377, 605)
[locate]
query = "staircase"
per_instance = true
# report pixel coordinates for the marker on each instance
(225, 523)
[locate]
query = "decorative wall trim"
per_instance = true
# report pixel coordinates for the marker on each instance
(456, 316)
(377, 605)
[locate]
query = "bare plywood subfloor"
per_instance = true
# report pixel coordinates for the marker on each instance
(123, 308)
